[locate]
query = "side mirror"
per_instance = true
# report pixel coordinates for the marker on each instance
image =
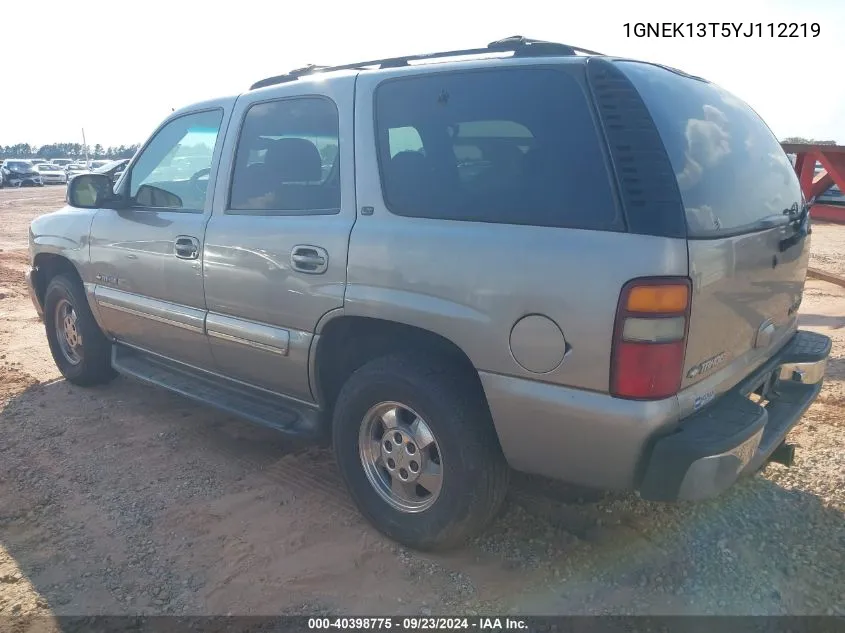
(91, 191)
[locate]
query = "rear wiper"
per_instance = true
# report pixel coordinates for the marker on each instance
(801, 223)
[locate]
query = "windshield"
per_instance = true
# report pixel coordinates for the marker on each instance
(47, 167)
(98, 163)
(18, 165)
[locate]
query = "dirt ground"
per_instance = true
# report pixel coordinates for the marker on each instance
(128, 500)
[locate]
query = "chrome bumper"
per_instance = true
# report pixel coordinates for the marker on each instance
(805, 373)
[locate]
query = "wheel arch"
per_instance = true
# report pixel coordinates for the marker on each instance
(47, 266)
(345, 343)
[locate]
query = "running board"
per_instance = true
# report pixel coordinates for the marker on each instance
(256, 405)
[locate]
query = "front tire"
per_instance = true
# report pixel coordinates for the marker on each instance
(79, 348)
(416, 447)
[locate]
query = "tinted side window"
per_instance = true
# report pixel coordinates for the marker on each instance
(512, 146)
(731, 170)
(172, 170)
(287, 158)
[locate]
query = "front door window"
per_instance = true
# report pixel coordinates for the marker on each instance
(172, 170)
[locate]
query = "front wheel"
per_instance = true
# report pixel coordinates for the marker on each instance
(79, 348)
(418, 452)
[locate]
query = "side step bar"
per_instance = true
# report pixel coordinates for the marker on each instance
(262, 407)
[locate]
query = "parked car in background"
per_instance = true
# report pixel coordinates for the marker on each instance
(62, 162)
(97, 164)
(74, 169)
(16, 173)
(51, 174)
(833, 195)
(113, 168)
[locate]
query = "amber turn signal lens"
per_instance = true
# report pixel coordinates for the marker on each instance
(658, 299)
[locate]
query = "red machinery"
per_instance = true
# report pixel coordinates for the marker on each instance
(832, 159)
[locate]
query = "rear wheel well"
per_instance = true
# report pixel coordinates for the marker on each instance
(348, 343)
(47, 266)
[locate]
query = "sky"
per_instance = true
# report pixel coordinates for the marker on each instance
(118, 68)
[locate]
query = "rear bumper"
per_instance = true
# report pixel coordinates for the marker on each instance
(593, 439)
(711, 449)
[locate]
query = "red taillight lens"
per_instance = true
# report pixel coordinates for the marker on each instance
(652, 320)
(648, 370)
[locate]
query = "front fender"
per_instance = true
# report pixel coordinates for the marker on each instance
(61, 234)
(65, 233)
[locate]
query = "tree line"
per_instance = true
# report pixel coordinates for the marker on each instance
(67, 150)
(800, 140)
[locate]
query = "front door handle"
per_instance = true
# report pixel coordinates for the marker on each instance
(309, 259)
(187, 247)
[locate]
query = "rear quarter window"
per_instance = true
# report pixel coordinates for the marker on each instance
(732, 173)
(511, 146)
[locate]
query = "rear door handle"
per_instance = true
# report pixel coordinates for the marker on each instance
(187, 247)
(309, 259)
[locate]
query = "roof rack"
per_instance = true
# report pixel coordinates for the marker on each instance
(520, 47)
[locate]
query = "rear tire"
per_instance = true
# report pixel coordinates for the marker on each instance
(79, 348)
(462, 447)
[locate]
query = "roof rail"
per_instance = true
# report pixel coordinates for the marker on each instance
(520, 47)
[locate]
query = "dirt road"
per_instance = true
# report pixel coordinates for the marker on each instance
(126, 499)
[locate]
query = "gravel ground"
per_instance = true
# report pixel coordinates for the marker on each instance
(828, 246)
(128, 500)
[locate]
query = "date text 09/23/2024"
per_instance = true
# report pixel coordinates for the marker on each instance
(722, 29)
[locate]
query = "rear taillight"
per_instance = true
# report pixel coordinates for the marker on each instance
(649, 338)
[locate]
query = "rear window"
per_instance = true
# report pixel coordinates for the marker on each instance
(733, 174)
(511, 146)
